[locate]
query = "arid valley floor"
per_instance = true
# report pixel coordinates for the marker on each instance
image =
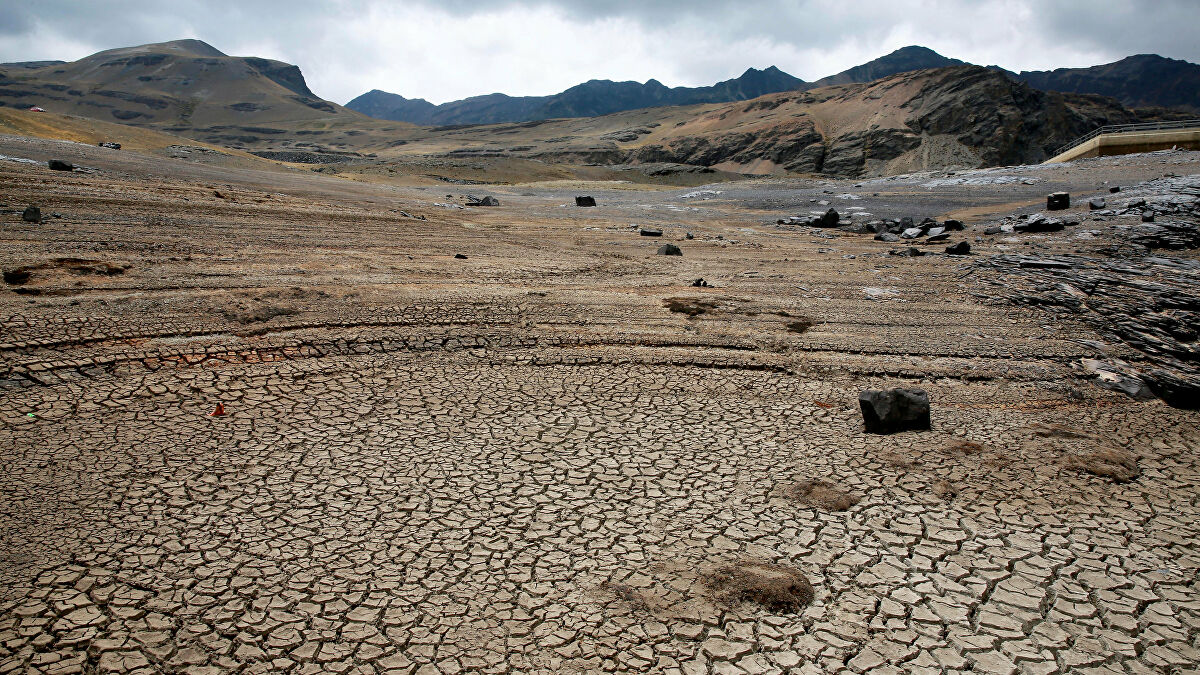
(557, 455)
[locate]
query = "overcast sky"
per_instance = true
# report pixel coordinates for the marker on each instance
(443, 50)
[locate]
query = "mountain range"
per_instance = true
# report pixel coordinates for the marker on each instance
(1136, 81)
(181, 84)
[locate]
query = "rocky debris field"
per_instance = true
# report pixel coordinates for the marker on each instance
(301, 430)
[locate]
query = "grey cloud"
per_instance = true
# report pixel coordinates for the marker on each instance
(810, 38)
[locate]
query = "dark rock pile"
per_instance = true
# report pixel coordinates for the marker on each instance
(1149, 302)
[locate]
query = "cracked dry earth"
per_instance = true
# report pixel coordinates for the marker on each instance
(524, 462)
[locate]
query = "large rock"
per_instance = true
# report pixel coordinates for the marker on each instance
(649, 232)
(830, 219)
(585, 201)
(482, 201)
(1057, 201)
(669, 249)
(886, 412)
(961, 248)
(32, 214)
(59, 165)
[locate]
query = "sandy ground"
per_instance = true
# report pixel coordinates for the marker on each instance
(524, 461)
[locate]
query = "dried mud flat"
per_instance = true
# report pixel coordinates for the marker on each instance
(524, 461)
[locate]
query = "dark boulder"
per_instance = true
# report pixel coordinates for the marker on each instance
(1057, 201)
(459, 256)
(110, 145)
(1114, 189)
(32, 214)
(910, 252)
(953, 225)
(961, 248)
(830, 219)
(700, 283)
(59, 165)
(1039, 224)
(1097, 204)
(886, 412)
(669, 249)
(585, 201)
(482, 201)
(647, 232)
(940, 236)
(1147, 216)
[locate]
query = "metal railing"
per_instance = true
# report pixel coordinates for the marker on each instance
(1125, 129)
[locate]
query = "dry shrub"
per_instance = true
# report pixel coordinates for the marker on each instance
(258, 314)
(800, 325)
(960, 448)
(777, 588)
(898, 460)
(626, 593)
(822, 495)
(1058, 431)
(1119, 465)
(689, 306)
(944, 489)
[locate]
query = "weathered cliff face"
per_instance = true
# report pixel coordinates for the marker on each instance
(957, 116)
(1005, 121)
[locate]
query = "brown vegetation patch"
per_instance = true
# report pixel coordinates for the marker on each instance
(944, 489)
(76, 266)
(822, 495)
(898, 460)
(1058, 431)
(777, 588)
(1115, 463)
(626, 593)
(959, 448)
(689, 306)
(800, 325)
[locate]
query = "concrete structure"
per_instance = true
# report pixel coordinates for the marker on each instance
(1102, 143)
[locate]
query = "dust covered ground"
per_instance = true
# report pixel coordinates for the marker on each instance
(556, 454)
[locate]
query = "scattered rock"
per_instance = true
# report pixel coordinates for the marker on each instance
(887, 237)
(647, 232)
(1097, 204)
(776, 588)
(700, 283)
(823, 495)
(459, 256)
(110, 145)
(1039, 223)
(669, 249)
(911, 233)
(585, 201)
(1057, 201)
(886, 412)
(689, 236)
(1117, 378)
(482, 201)
(1147, 216)
(941, 236)
(32, 214)
(909, 252)
(993, 229)
(961, 248)
(60, 165)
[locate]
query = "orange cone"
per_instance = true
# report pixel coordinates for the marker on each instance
(219, 411)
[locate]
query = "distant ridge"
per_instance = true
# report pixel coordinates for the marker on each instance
(1143, 80)
(590, 99)
(1136, 81)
